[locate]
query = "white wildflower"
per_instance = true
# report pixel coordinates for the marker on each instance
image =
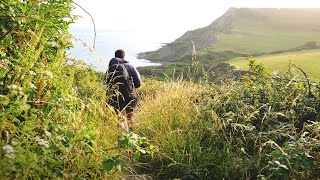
(32, 72)
(48, 73)
(32, 85)
(37, 138)
(10, 156)
(9, 149)
(53, 44)
(42, 142)
(59, 138)
(13, 86)
(47, 133)
(42, 3)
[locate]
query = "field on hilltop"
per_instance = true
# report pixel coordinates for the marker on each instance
(308, 61)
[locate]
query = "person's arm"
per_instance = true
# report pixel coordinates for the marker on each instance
(135, 76)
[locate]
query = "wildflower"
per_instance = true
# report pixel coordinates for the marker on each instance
(13, 86)
(32, 85)
(48, 73)
(10, 156)
(53, 44)
(32, 72)
(9, 149)
(59, 138)
(42, 142)
(47, 133)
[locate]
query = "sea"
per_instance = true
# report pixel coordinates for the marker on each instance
(105, 45)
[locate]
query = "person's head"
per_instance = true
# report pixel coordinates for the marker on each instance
(120, 54)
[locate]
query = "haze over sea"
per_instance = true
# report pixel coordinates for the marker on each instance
(107, 42)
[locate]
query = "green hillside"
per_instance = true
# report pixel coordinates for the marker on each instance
(267, 30)
(308, 60)
(247, 30)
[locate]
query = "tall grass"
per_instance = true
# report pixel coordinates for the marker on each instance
(259, 127)
(172, 116)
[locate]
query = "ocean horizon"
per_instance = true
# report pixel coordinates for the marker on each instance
(107, 42)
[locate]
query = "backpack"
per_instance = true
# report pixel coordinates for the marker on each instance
(120, 87)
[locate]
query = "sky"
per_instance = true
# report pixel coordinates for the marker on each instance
(167, 15)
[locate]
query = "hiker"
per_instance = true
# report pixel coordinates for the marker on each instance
(122, 81)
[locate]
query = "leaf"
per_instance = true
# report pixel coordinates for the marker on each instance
(281, 165)
(152, 147)
(281, 114)
(108, 164)
(123, 142)
(69, 134)
(136, 156)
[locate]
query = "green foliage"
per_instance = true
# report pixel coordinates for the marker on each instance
(111, 162)
(129, 141)
(266, 120)
(262, 126)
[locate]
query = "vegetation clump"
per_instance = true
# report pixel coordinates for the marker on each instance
(262, 126)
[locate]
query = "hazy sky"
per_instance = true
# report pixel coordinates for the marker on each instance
(143, 15)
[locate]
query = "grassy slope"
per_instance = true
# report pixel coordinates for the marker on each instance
(267, 30)
(308, 60)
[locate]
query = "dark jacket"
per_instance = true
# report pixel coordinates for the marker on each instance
(124, 98)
